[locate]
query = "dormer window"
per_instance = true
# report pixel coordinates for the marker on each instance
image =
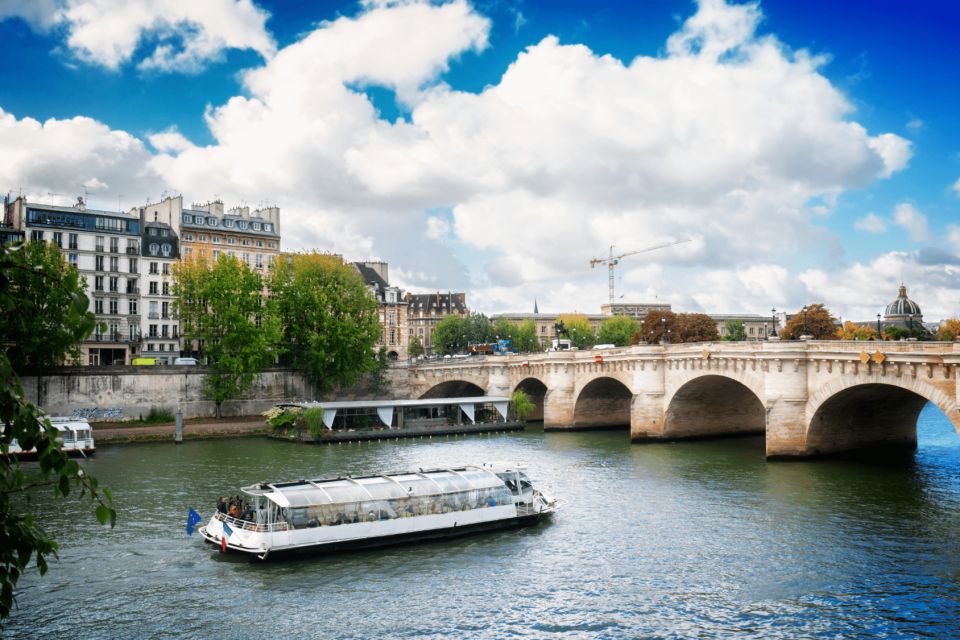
(256, 226)
(187, 218)
(242, 224)
(228, 224)
(154, 248)
(212, 221)
(198, 221)
(267, 226)
(166, 249)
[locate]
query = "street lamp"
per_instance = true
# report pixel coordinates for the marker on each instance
(773, 315)
(804, 319)
(765, 330)
(642, 334)
(878, 326)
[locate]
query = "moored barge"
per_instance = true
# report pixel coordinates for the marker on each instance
(344, 512)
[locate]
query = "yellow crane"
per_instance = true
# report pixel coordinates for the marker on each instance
(612, 261)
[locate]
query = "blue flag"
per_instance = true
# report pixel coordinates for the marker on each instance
(193, 518)
(227, 531)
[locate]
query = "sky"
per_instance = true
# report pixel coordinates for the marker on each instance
(794, 152)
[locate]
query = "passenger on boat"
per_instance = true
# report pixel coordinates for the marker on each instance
(222, 504)
(234, 511)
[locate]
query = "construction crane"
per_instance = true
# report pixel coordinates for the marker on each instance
(612, 261)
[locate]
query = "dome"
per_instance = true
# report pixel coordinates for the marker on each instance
(902, 306)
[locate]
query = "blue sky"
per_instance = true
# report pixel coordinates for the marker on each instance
(429, 138)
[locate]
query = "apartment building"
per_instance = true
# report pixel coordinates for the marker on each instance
(392, 313)
(159, 325)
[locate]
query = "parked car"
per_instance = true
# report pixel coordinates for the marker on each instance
(186, 361)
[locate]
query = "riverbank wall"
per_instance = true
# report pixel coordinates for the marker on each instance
(116, 393)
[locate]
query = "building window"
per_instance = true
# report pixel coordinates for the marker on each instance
(256, 226)
(98, 283)
(259, 243)
(72, 258)
(198, 221)
(245, 242)
(133, 265)
(233, 241)
(166, 268)
(166, 289)
(98, 306)
(228, 224)
(114, 306)
(132, 286)
(216, 254)
(114, 245)
(133, 247)
(246, 259)
(133, 332)
(267, 226)
(114, 284)
(114, 263)
(212, 221)
(176, 331)
(132, 306)
(165, 249)
(36, 236)
(153, 268)
(73, 240)
(242, 224)
(165, 331)
(187, 251)
(99, 244)
(153, 331)
(187, 218)
(215, 239)
(166, 310)
(188, 237)
(259, 260)
(58, 238)
(153, 288)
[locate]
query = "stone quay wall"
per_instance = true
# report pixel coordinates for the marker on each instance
(126, 393)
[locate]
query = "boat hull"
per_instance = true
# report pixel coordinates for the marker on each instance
(410, 537)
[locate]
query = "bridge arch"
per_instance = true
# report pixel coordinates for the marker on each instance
(713, 405)
(454, 389)
(865, 414)
(536, 390)
(602, 403)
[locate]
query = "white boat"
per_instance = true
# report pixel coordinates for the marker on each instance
(76, 438)
(344, 512)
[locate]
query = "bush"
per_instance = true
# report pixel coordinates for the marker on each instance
(159, 415)
(313, 419)
(282, 418)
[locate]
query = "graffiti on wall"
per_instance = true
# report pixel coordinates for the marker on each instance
(99, 414)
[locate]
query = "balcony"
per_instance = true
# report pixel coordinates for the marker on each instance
(134, 290)
(73, 246)
(99, 248)
(114, 336)
(153, 315)
(133, 251)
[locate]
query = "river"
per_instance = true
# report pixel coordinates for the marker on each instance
(689, 539)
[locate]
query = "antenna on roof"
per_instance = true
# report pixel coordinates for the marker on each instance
(54, 196)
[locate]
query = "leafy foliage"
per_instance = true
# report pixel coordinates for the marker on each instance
(328, 318)
(819, 324)
(313, 420)
(43, 317)
(521, 405)
(415, 347)
(223, 311)
(695, 327)
(525, 337)
(949, 330)
(735, 331)
(854, 331)
(618, 330)
(379, 382)
(478, 329)
(656, 326)
(450, 335)
(580, 330)
(282, 417)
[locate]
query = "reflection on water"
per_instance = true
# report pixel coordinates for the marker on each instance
(665, 540)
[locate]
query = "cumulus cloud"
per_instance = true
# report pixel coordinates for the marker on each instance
(915, 223)
(871, 223)
(184, 35)
(729, 139)
(66, 156)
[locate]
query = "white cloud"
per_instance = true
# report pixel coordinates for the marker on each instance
(185, 35)
(170, 141)
(65, 156)
(956, 186)
(953, 237)
(437, 228)
(871, 223)
(915, 125)
(907, 216)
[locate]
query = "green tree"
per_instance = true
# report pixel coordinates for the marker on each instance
(521, 405)
(43, 318)
(450, 335)
(477, 328)
(379, 382)
(819, 324)
(659, 325)
(695, 327)
(618, 330)
(415, 348)
(328, 318)
(223, 311)
(581, 332)
(505, 329)
(525, 337)
(735, 331)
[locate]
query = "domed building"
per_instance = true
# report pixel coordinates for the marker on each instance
(903, 312)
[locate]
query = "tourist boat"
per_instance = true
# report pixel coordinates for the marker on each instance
(348, 512)
(76, 438)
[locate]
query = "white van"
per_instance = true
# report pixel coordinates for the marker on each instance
(604, 346)
(187, 361)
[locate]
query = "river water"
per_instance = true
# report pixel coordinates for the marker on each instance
(691, 539)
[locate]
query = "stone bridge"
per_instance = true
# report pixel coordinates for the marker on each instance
(808, 398)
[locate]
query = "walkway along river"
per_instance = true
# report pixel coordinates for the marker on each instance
(685, 539)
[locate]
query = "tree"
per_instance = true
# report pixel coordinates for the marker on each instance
(735, 331)
(521, 405)
(617, 330)
(379, 382)
(43, 317)
(657, 325)
(854, 331)
(819, 323)
(949, 330)
(477, 329)
(415, 347)
(222, 309)
(695, 327)
(450, 335)
(504, 329)
(327, 316)
(580, 330)
(525, 338)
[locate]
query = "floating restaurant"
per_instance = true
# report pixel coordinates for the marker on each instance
(349, 420)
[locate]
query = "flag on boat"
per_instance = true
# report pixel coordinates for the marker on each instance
(227, 532)
(193, 518)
